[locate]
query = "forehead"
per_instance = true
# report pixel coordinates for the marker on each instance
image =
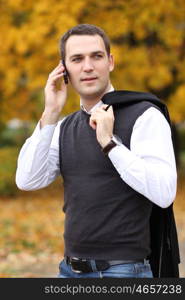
(84, 44)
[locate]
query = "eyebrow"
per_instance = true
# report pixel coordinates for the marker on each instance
(92, 53)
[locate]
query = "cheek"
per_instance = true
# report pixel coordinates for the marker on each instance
(74, 76)
(104, 69)
(73, 71)
(105, 73)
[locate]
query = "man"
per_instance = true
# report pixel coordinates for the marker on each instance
(116, 164)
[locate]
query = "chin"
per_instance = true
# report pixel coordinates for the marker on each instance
(92, 92)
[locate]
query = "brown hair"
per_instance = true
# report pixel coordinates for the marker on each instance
(83, 29)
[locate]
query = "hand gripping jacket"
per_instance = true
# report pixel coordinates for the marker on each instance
(164, 257)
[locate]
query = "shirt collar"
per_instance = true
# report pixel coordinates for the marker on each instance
(96, 105)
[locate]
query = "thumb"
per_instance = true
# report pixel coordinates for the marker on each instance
(110, 111)
(109, 108)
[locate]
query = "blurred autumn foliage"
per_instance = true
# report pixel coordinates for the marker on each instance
(148, 41)
(31, 233)
(8, 158)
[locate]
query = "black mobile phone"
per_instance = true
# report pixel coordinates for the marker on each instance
(65, 73)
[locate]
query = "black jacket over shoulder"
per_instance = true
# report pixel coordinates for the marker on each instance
(164, 257)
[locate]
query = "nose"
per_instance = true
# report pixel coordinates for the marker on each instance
(87, 65)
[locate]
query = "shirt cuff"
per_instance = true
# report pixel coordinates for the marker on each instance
(121, 157)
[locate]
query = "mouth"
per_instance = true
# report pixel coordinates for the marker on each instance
(88, 79)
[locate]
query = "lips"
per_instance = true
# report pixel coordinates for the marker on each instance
(88, 79)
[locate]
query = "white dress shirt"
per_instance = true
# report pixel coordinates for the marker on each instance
(148, 167)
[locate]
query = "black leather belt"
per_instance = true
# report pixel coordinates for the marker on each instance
(81, 265)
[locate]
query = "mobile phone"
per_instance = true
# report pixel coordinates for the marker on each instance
(65, 73)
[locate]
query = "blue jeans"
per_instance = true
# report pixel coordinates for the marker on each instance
(132, 270)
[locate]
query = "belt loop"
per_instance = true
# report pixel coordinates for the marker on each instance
(93, 265)
(67, 260)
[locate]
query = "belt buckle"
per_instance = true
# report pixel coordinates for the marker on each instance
(76, 260)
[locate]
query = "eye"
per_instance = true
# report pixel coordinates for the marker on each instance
(98, 56)
(76, 59)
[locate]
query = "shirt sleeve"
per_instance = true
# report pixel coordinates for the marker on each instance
(38, 160)
(149, 166)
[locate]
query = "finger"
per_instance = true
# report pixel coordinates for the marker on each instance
(57, 72)
(58, 69)
(92, 123)
(109, 110)
(53, 79)
(58, 66)
(108, 106)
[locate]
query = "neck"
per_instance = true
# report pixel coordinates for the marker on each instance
(89, 102)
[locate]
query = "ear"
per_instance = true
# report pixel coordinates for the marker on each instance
(111, 63)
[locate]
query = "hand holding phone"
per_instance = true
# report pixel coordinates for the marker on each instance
(55, 96)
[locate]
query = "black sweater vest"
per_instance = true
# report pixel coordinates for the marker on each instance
(105, 217)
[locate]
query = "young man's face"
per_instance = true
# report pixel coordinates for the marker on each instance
(88, 65)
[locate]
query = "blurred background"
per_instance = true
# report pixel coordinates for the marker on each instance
(148, 42)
